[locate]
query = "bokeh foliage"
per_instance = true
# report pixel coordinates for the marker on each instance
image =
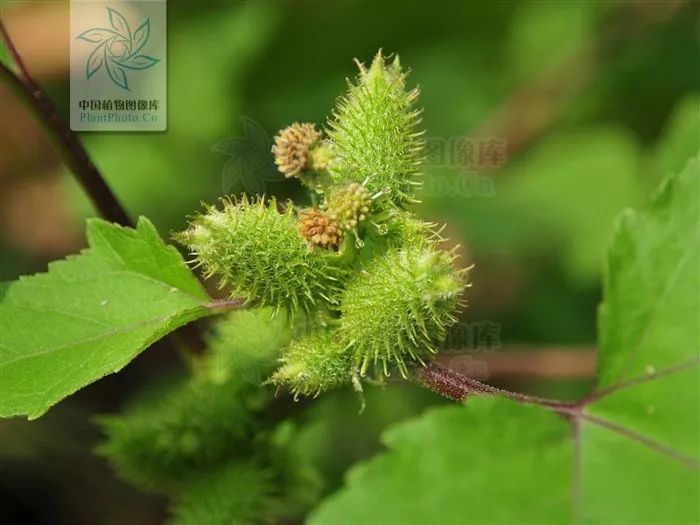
(538, 239)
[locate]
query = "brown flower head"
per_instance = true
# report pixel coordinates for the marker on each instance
(319, 229)
(292, 148)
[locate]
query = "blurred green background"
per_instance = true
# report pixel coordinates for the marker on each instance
(594, 102)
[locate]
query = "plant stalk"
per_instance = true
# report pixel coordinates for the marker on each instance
(456, 387)
(64, 139)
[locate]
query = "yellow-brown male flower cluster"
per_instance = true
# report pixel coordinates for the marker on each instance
(292, 148)
(349, 205)
(319, 228)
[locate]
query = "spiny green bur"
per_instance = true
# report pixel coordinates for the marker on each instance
(419, 293)
(258, 251)
(383, 297)
(172, 434)
(374, 133)
(238, 492)
(194, 425)
(313, 364)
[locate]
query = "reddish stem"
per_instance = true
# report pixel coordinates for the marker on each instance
(457, 387)
(64, 139)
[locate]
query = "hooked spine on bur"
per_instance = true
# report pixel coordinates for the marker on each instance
(377, 292)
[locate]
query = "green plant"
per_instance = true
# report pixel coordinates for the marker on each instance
(374, 287)
(349, 291)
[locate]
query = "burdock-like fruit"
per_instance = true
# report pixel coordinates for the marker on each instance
(378, 292)
(375, 133)
(259, 252)
(292, 148)
(313, 364)
(397, 310)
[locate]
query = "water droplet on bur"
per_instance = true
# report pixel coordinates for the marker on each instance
(650, 370)
(103, 303)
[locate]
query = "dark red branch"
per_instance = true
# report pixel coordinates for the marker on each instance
(90, 179)
(64, 139)
(448, 383)
(457, 387)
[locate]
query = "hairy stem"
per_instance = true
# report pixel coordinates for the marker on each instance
(457, 387)
(75, 156)
(64, 139)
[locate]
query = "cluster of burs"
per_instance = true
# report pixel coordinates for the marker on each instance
(361, 280)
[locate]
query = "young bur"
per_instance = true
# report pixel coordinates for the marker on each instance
(367, 280)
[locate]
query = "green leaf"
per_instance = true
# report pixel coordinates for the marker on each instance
(649, 318)
(628, 453)
(679, 139)
(90, 315)
(645, 415)
(493, 461)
